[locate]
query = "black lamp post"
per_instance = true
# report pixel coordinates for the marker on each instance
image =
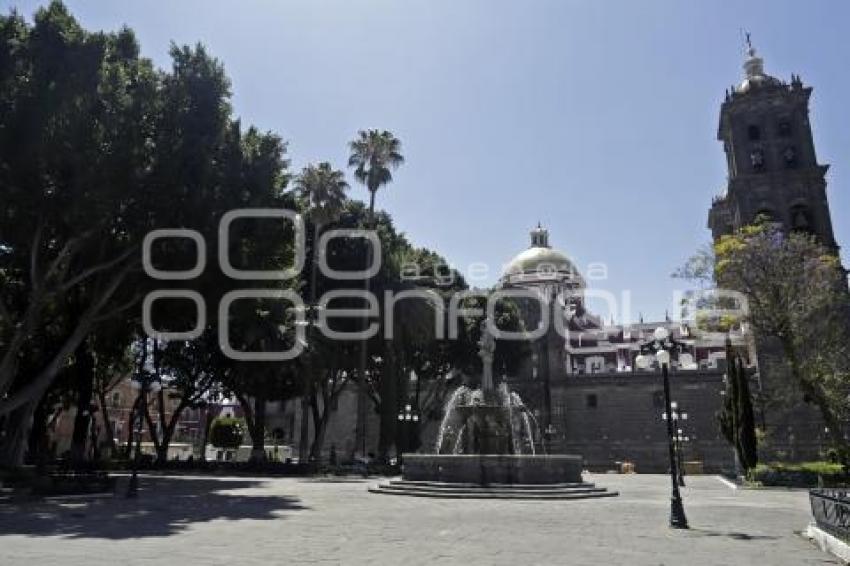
(681, 438)
(661, 346)
(678, 416)
(408, 418)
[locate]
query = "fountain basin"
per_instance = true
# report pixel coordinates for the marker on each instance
(486, 469)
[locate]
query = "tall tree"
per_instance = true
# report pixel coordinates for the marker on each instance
(322, 190)
(737, 419)
(797, 301)
(374, 155)
(76, 109)
(97, 148)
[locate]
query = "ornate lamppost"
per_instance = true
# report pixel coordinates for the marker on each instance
(408, 418)
(678, 417)
(660, 347)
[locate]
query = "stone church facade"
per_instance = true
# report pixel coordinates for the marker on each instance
(587, 395)
(773, 173)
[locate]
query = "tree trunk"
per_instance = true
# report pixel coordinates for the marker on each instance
(153, 431)
(131, 419)
(169, 428)
(306, 393)
(205, 437)
(304, 436)
(162, 447)
(258, 440)
(389, 405)
(14, 442)
(84, 382)
(37, 445)
(42, 380)
(108, 431)
(319, 423)
(362, 417)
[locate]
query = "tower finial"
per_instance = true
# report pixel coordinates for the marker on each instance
(748, 42)
(753, 65)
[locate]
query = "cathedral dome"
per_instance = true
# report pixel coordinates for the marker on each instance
(541, 263)
(538, 259)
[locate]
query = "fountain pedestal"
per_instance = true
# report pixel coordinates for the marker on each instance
(485, 469)
(489, 433)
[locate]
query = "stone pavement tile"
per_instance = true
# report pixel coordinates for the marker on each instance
(247, 521)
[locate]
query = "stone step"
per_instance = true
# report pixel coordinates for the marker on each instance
(525, 486)
(448, 488)
(484, 493)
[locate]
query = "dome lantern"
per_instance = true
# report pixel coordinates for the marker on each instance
(539, 237)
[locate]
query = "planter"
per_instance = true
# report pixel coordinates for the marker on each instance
(693, 467)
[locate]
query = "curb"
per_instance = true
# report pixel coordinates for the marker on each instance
(828, 543)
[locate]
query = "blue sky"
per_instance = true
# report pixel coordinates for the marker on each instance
(596, 118)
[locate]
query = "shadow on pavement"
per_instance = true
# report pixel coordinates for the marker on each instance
(165, 506)
(732, 535)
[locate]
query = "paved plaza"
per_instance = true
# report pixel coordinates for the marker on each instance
(236, 520)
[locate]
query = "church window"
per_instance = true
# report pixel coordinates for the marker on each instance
(591, 401)
(790, 157)
(801, 219)
(754, 133)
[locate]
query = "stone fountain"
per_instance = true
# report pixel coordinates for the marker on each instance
(486, 448)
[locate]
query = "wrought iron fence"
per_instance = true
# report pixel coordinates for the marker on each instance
(831, 511)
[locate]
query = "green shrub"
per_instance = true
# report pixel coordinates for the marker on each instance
(818, 467)
(797, 474)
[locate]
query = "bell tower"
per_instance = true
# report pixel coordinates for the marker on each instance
(770, 156)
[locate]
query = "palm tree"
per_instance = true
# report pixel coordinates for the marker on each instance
(374, 154)
(323, 190)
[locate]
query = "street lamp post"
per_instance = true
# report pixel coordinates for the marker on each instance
(661, 346)
(408, 417)
(681, 438)
(678, 416)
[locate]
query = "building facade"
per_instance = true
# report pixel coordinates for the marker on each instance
(582, 382)
(773, 174)
(580, 378)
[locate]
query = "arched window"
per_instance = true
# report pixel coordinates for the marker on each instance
(789, 156)
(801, 219)
(754, 133)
